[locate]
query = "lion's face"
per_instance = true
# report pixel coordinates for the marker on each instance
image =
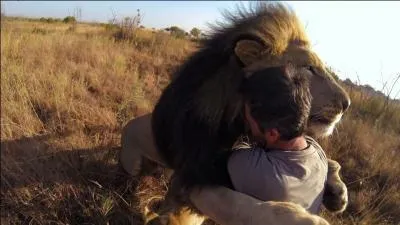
(329, 102)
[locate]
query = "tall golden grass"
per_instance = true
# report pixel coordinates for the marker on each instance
(65, 95)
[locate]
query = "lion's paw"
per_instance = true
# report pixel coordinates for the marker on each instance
(335, 196)
(158, 220)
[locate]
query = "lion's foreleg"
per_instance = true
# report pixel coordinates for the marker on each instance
(175, 208)
(228, 207)
(335, 196)
(170, 212)
(137, 142)
(183, 217)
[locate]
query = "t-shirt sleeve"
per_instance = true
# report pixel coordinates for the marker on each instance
(254, 173)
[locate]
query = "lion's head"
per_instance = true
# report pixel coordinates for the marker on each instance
(200, 113)
(269, 34)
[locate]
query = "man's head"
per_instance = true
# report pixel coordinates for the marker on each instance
(279, 112)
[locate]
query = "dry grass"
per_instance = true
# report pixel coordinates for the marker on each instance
(66, 94)
(367, 145)
(64, 98)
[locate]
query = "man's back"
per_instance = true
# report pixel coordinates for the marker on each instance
(277, 175)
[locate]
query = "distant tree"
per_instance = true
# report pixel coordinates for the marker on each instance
(203, 35)
(50, 20)
(348, 81)
(69, 19)
(195, 32)
(177, 32)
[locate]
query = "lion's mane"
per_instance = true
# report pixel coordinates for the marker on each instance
(199, 114)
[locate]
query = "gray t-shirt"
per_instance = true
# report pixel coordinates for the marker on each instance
(276, 175)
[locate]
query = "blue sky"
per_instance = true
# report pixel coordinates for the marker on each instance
(360, 40)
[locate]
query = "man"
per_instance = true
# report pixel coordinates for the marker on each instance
(289, 166)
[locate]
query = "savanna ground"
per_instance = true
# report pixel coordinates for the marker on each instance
(66, 93)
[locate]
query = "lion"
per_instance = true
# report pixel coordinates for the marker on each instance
(138, 143)
(199, 115)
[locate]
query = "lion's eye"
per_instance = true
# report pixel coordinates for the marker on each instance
(310, 68)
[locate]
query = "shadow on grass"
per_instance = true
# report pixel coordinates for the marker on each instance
(44, 185)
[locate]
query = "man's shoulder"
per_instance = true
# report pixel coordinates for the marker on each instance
(312, 141)
(248, 158)
(247, 153)
(316, 146)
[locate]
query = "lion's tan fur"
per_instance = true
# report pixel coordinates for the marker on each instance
(244, 209)
(137, 146)
(277, 27)
(183, 217)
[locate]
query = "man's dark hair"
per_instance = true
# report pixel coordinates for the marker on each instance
(279, 97)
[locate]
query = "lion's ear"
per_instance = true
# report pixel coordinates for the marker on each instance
(248, 51)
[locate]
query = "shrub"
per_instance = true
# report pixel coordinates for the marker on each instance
(177, 32)
(195, 32)
(69, 19)
(126, 27)
(50, 20)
